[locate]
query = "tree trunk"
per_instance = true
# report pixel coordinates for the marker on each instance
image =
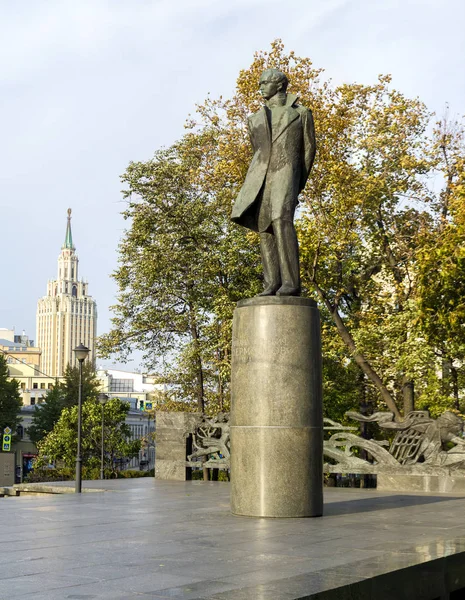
(446, 376)
(220, 380)
(450, 383)
(408, 393)
(199, 366)
(363, 428)
(399, 276)
(455, 386)
(199, 375)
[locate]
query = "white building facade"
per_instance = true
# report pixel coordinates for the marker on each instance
(136, 388)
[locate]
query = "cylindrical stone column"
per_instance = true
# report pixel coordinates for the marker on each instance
(276, 408)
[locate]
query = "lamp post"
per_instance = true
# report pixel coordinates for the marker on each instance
(102, 399)
(81, 352)
(148, 442)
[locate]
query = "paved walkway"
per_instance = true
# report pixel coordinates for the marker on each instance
(148, 539)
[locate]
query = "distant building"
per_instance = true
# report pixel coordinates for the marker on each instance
(67, 315)
(19, 348)
(25, 451)
(7, 334)
(136, 388)
(23, 362)
(10, 336)
(140, 390)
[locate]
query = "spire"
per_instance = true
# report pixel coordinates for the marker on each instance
(68, 238)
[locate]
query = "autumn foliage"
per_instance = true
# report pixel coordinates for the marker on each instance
(381, 228)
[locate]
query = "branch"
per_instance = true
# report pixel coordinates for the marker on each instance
(391, 259)
(312, 275)
(358, 356)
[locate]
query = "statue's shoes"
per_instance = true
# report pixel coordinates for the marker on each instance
(269, 291)
(287, 290)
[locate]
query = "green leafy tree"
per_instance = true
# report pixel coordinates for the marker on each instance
(183, 266)
(352, 229)
(343, 386)
(361, 228)
(47, 414)
(63, 394)
(60, 445)
(10, 399)
(362, 213)
(90, 384)
(441, 274)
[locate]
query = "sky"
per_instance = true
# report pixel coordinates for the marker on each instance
(86, 87)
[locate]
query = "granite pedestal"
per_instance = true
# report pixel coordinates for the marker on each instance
(276, 409)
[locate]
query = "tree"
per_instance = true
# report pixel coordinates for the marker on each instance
(182, 269)
(90, 384)
(441, 273)
(47, 414)
(60, 445)
(362, 210)
(361, 230)
(64, 394)
(10, 399)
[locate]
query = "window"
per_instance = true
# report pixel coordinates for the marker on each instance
(50, 386)
(122, 385)
(42, 386)
(33, 401)
(35, 386)
(23, 386)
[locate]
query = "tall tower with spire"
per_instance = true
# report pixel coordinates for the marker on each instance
(66, 316)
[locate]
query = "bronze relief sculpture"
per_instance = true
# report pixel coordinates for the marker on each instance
(283, 140)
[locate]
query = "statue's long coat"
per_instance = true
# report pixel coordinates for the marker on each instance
(283, 158)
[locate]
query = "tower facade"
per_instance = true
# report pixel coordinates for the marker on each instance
(67, 315)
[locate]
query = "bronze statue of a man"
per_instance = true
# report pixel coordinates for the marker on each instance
(283, 140)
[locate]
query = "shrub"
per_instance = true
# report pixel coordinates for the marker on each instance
(131, 473)
(197, 474)
(45, 475)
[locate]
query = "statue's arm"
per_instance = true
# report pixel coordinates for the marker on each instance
(309, 146)
(249, 129)
(457, 441)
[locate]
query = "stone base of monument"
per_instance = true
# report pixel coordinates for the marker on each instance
(445, 484)
(276, 409)
(7, 469)
(173, 431)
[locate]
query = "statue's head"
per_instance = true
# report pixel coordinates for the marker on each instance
(272, 81)
(450, 422)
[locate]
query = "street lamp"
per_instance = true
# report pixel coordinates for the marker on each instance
(148, 442)
(81, 352)
(102, 398)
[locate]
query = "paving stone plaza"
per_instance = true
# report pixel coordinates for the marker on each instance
(158, 539)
